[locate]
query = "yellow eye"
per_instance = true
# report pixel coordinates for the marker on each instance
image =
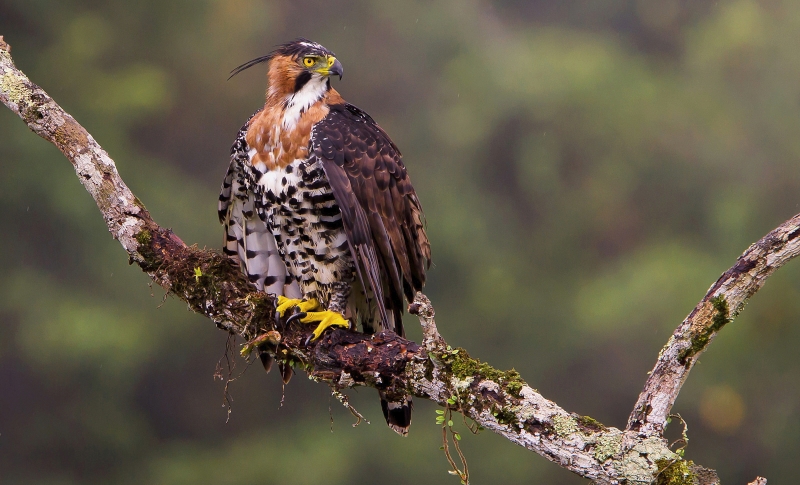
(308, 61)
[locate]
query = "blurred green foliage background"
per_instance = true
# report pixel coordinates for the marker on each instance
(588, 169)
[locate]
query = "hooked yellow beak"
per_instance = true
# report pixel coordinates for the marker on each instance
(333, 67)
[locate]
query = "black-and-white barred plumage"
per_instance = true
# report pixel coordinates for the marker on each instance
(248, 239)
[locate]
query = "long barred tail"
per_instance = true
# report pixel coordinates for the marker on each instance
(397, 412)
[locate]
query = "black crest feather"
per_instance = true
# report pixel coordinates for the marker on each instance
(249, 64)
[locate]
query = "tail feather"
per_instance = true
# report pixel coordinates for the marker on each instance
(397, 412)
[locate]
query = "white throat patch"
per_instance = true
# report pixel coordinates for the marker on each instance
(297, 103)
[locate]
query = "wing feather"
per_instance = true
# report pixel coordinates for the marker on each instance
(381, 214)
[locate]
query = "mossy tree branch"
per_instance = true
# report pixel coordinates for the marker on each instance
(721, 304)
(497, 400)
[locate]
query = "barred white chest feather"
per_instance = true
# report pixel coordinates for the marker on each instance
(248, 239)
(301, 211)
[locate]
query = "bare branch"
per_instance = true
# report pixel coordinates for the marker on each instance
(124, 215)
(723, 302)
(496, 400)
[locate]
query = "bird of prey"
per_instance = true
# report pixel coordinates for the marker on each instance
(318, 208)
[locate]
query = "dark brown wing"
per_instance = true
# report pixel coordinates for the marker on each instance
(381, 213)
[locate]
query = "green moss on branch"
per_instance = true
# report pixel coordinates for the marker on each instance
(675, 472)
(207, 280)
(700, 340)
(464, 367)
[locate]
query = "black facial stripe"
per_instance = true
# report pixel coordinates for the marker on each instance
(301, 80)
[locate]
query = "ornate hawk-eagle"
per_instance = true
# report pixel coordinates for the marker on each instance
(318, 208)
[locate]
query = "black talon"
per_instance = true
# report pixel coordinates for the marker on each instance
(286, 372)
(308, 340)
(266, 359)
(294, 317)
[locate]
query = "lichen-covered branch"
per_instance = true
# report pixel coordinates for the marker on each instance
(124, 215)
(723, 302)
(497, 400)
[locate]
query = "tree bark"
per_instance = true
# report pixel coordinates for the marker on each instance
(722, 303)
(497, 400)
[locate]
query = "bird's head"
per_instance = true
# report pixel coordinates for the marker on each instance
(294, 64)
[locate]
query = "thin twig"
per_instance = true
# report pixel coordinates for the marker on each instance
(346, 403)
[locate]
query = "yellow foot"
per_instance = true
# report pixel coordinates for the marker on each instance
(326, 319)
(285, 304)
